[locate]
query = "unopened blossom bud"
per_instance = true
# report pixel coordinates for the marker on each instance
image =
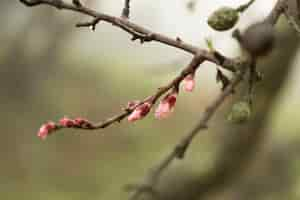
(189, 82)
(66, 122)
(139, 112)
(132, 104)
(166, 106)
(46, 129)
(223, 19)
(83, 123)
(240, 112)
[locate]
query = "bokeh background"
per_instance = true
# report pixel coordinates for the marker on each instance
(49, 69)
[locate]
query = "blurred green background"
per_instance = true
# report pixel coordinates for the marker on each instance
(50, 69)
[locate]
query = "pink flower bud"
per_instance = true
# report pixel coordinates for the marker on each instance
(66, 122)
(46, 129)
(189, 82)
(132, 104)
(83, 123)
(166, 106)
(139, 112)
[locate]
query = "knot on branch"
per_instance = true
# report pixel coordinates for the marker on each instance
(92, 24)
(30, 2)
(142, 37)
(77, 3)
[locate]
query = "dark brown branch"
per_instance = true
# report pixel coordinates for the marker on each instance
(77, 3)
(126, 9)
(91, 24)
(31, 3)
(124, 24)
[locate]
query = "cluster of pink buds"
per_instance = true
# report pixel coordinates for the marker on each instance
(139, 111)
(165, 107)
(75, 123)
(65, 122)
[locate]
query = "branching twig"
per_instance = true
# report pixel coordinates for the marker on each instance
(244, 7)
(91, 24)
(138, 32)
(124, 24)
(126, 9)
(145, 35)
(181, 147)
(191, 67)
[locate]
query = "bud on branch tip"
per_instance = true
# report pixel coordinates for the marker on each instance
(46, 129)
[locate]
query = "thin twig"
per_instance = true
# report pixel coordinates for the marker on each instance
(191, 67)
(126, 9)
(181, 147)
(145, 35)
(124, 24)
(244, 7)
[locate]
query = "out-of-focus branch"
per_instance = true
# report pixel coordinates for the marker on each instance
(180, 149)
(240, 141)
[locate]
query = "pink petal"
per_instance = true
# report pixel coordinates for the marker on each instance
(135, 115)
(46, 129)
(43, 132)
(166, 106)
(83, 123)
(139, 112)
(189, 83)
(66, 122)
(163, 111)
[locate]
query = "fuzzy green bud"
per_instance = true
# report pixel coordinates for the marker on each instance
(240, 112)
(223, 19)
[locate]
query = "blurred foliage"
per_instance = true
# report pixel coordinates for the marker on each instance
(44, 76)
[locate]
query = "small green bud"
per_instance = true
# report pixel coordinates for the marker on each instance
(223, 19)
(240, 112)
(210, 44)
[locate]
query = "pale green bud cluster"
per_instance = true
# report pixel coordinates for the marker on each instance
(240, 112)
(223, 19)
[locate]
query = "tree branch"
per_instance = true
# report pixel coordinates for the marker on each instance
(124, 24)
(146, 35)
(126, 9)
(181, 147)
